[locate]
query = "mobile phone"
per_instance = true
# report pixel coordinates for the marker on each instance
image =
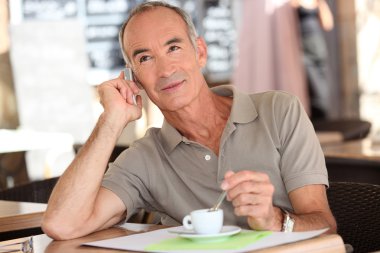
(128, 75)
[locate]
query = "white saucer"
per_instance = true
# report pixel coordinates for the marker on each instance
(222, 235)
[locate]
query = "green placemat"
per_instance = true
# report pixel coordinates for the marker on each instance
(237, 241)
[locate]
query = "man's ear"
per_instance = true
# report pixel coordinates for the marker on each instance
(201, 52)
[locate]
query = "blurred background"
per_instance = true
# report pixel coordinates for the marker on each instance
(53, 54)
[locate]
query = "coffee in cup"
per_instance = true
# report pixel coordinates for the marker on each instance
(204, 221)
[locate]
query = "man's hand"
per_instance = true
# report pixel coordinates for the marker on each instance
(251, 194)
(116, 99)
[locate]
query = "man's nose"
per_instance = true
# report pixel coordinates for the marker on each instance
(165, 67)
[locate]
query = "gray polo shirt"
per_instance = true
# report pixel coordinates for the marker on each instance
(268, 132)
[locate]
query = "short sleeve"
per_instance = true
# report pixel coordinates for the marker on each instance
(127, 178)
(302, 159)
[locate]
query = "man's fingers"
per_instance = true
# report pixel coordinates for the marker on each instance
(251, 194)
(121, 75)
(257, 211)
(130, 91)
(134, 87)
(250, 187)
(249, 199)
(126, 88)
(243, 188)
(242, 176)
(245, 199)
(229, 174)
(139, 101)
(244, 210)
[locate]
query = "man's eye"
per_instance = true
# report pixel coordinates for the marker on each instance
(173, 48)
(144, 58)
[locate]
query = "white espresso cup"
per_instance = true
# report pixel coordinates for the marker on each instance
(203, 221)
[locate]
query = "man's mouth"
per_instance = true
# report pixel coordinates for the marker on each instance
(173, 85)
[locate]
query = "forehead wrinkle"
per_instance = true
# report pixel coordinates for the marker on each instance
(167, 43)
(132, 28)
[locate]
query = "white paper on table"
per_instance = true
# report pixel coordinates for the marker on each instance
(138, 242)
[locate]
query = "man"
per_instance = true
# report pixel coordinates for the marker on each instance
(260, 148)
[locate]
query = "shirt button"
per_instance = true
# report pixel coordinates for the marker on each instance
(207, 157)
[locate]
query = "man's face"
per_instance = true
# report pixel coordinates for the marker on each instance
(163, 58)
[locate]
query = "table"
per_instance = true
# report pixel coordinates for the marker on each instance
(353, 161)
(330, 137)
(19, 216)
(43, 244)
(364, 149)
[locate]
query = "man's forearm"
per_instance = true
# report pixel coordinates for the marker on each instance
(312, 221)
(302, 222)
(306, 222)
(72, 200)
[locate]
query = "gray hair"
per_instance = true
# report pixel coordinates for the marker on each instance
(144, 7)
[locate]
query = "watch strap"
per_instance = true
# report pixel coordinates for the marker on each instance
(288, 222)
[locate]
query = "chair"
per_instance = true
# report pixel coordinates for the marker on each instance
(356, 209)
(13, 165)
(36, 191)
(346, 169)
(115, 153)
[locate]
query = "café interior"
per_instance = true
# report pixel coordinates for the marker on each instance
(54, 54)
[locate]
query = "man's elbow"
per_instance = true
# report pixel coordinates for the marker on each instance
(58, 230)
(333, 227)
(331, 224)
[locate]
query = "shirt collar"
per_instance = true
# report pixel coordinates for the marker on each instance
(243, 111)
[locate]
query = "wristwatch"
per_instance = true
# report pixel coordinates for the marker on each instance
(288, 222)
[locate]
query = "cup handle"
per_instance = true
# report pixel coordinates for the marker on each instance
(186, 222)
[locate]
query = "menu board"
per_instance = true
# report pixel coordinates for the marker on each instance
(49, 10)
(50, 65)
(220, 36)
(102, 19)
